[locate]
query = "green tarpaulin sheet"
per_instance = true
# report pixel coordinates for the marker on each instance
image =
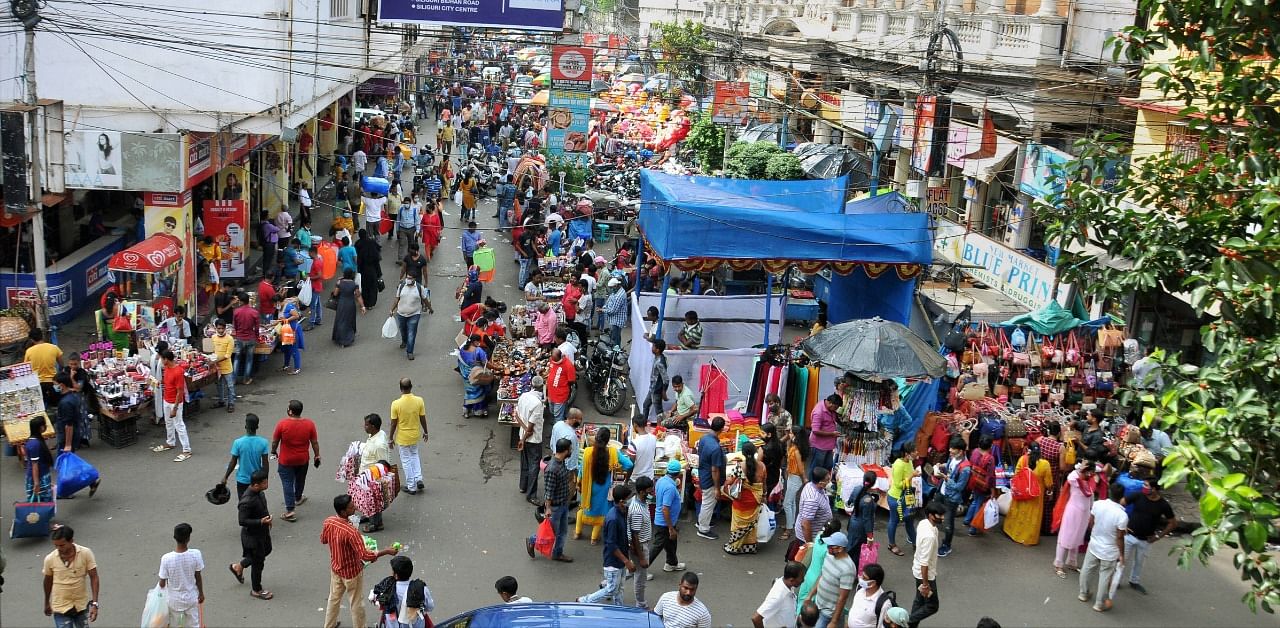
(1052, 319)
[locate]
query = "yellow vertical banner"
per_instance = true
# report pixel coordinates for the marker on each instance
(171, 214)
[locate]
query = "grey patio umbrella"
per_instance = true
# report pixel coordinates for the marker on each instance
(761, 132)
(828, 161)
(875, 349)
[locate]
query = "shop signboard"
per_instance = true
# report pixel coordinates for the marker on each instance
(208, 153)
(1039, 169)
(758, 80)
(922, 133)
(568, 122)
(874, 111)
(1015, 275)
(571, 68)
(73, 281)
(227, 222)
(522, 14)
(117, 160)
(96, 276)
(829, 106)
(958, 144)
(731, 103)
(171, 214)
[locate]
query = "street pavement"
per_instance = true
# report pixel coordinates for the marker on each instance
(467, 530)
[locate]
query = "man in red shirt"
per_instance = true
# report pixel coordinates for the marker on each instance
(266, 299)
(174, 398)
(244, 322)
(560, 376)
(347, 555)
(289, 442)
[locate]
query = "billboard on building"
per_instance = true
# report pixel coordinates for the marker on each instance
(118, 160)
(227, 222)
(732, 103)
(922, 146)
(1042, 174)
(525, 14)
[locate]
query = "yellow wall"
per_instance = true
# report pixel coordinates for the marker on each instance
(1150, 132)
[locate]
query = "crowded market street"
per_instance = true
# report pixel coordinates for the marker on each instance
(467, 529)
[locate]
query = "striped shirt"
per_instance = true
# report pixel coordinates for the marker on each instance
(675, 615)
(347, 553)
(638, 522)
(814, 508)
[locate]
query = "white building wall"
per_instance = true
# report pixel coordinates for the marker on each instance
(651, 11)
(1093, 23)
(262, 64)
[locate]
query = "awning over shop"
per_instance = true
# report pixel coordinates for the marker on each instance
(702, 222)
(983, 169)
(148, 256)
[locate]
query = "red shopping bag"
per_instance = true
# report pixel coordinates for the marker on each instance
(545, 540)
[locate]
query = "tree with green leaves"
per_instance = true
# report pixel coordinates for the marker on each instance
(761, 160)
(706, 140)
(1207, 225)
(683, 47)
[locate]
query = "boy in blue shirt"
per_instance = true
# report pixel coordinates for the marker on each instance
(666, 513)
(250, 452)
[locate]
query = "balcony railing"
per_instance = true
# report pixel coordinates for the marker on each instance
(884, 28)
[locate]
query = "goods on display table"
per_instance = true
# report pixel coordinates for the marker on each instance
(20, 401)
(516, 357)
(510, 387)
(122, 382)
(522, 315)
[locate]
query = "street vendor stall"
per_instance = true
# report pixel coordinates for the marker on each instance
(20, 401)
(150, 272)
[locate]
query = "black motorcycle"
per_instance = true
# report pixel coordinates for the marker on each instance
(604, 373)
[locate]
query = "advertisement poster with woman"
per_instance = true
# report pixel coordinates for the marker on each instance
(95, 160)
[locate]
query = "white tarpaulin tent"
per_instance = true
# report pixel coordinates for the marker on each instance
(732, 326)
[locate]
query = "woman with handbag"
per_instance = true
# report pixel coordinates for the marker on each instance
(471, 361)
(1023, 521)
(862, 508)
(347, 295)
(599, 461)
(746, 506)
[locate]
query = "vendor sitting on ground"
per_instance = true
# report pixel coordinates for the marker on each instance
(691, 334)
(686, 407)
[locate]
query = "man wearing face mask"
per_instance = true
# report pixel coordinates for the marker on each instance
(924, 565)
(872, 602)
(68, 423)
(407, 308)
(836, 582)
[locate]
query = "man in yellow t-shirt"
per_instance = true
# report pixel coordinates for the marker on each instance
(46, 360)
(65, 568)
(224, 345)
(408, 423)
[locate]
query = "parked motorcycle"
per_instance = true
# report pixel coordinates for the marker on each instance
(604, 373)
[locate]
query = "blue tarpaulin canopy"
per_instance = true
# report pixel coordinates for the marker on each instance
(705, 218)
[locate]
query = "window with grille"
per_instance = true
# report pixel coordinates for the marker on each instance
(1183, 141)
(339, 8)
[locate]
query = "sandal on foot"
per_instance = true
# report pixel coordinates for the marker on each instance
(896, 551)
(183, 457)
(262, 595)
(162, 448)
(1061, 574)
(93, 488)
(786, 534)
(239, 575)
(290, 517)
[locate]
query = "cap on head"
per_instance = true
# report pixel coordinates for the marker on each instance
(838, 540)
(673, 467)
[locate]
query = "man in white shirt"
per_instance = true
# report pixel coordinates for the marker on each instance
(924, 564)
(507, 587)
(1109, 523)
(529, 414)
(568, 429)
(646, 447)
(778, 610)
(683, 609)
(373, 215)
(180, 576)
(871, 601)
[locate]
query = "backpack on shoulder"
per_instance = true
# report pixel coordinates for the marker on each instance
(886, 597)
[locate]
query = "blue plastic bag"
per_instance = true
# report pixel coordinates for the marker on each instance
(74, 473)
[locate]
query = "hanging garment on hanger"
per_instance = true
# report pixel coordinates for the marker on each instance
(714, 386)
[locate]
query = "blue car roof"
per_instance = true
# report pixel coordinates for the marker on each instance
(554, 615)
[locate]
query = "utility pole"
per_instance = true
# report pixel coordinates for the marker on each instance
(28, 12)
(731, 72)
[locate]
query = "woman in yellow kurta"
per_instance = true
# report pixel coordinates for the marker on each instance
(1023, 523)
(599, 461)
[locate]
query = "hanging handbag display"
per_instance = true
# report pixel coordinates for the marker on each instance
(1047, 350)
(1033, 352)
(1110, 338)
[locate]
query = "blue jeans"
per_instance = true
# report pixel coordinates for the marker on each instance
(71, 620)
(293, 478)
(950, 522)
(502, 217)
(974, 505)
(560, 524)
(524, 271)
(227, 388)
(317, 310)
(615, 335)
(893, 523)
(820, 458)
(558, 410)
(408, 330)
(610, 591)
(244, 358)
(292, 354)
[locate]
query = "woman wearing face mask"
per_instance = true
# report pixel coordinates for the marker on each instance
(861, 509)
(1071, 516)
(869, 607)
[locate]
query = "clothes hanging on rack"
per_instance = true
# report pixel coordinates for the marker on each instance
(714, 385)
(812, 399)
(759, 381)
(797, 393)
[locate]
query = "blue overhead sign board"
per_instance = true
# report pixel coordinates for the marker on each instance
(525, 14)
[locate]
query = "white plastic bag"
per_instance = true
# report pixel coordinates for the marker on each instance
(457, 198)
(991, 514)
(1115, 579)
(155, 614)
(304, 292)
(390, 329)
(766, 524)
